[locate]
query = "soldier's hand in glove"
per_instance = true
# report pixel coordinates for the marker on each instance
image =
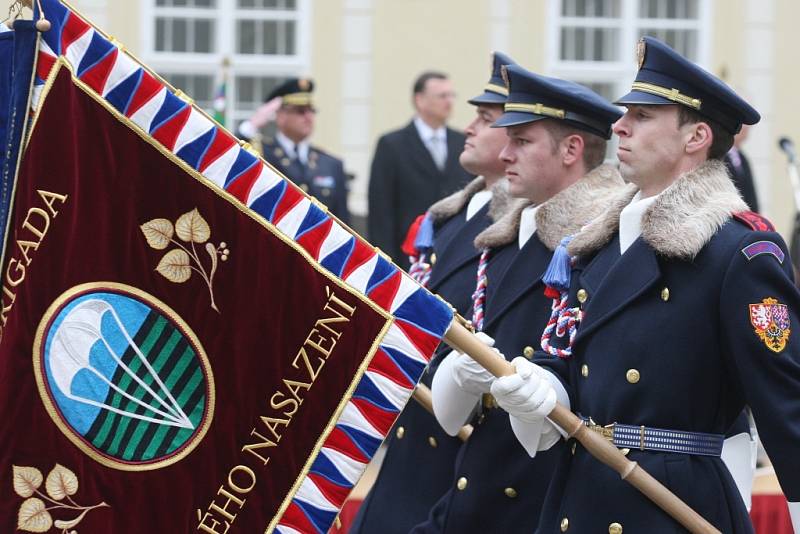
(469, 374)
(527, 394)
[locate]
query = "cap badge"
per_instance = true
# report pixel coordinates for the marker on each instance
(641, 48)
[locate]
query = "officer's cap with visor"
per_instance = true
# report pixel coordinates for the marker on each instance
(533, 97)
(666, 77)
(294, 92)
(495, 91)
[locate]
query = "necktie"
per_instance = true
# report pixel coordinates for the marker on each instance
(438, 150)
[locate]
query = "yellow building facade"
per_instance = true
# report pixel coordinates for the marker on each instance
(364, 55)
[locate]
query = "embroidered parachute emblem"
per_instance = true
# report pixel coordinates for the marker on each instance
(72, 352)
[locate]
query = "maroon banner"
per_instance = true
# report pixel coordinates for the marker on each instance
(167, 359)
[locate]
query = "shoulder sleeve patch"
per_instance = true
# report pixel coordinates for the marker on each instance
(763, 247)
(754, 221)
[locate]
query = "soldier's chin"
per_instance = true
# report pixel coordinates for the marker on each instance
(469, 163)
(628, 173)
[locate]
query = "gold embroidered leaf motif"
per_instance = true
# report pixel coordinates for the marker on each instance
(61, 482)
(33, 517)
(175, 266)
(191, 227)
(26, 480)
(69, 524)
(158, 232)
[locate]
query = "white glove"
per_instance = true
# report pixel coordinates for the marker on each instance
(794, 511)
(469, 374)
(453, 404)
(527, 394)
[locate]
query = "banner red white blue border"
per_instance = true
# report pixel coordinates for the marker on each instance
(420, 319)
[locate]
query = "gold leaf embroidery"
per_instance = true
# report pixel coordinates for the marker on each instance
(33, 517)
(192, 228)
(61, 482)
(26, 480)
(158, 233)
(72, 523)
(175, 266)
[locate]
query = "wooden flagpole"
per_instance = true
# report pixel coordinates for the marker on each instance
(463, 340)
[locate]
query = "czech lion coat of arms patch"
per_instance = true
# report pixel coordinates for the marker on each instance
(771, 322)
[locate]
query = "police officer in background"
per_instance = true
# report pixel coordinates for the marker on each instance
(688, 308)
(402, 496)
(315, 171)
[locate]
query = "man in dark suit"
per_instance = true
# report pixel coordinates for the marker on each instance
(318, 173)
(739, 169)
(415, 166)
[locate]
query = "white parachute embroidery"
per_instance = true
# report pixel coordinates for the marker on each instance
(69, 354)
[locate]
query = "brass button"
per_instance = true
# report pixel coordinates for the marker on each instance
(633, 376)
(400, 432)
(582, 295)
(432, 441)
(528, 352)
(584, 370)
(564, 524)
(614, 528)
(462, 483)
(304, 187)
(510, 492)
(326, 192)
(285, 162)
(433, 259)
(664, 296)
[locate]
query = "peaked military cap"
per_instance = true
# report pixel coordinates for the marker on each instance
(533, 97)
(495, 91)
(666, 77)
(295, 92)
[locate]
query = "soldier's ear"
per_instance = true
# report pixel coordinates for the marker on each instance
(572, 149)
(699, 137)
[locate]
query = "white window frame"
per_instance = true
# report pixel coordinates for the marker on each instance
(225, 15)
(619, 73)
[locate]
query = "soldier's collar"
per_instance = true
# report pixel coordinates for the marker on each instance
(680, 222)
(450, 205)
(564, 214)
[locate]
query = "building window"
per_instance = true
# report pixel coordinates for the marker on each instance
(261, 42)
(594, 41)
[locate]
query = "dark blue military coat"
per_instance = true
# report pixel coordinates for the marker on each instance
(694, 321)
(418, 466)
(497, 487)
(322, 177)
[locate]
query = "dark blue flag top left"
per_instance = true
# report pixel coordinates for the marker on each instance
(17, 54)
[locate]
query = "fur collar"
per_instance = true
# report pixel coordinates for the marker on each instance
(562, 215)
(505, 229)
(450, 205)
(501, 200)
(680, 222)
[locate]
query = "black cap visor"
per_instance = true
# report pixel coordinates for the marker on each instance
(488, 97)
